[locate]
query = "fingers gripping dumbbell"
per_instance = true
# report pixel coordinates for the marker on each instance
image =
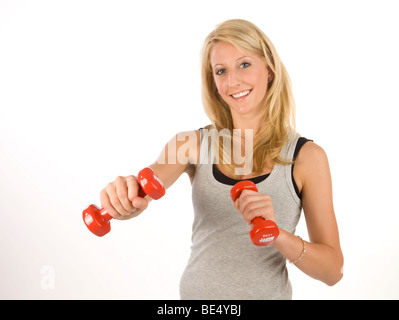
(98, 219)
(263, 232)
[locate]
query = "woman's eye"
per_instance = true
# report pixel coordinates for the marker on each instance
(244, 65)
(220, 72)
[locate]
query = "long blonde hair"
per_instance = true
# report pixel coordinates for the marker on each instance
(278, 114)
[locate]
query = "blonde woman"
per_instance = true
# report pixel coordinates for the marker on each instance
(245, 86)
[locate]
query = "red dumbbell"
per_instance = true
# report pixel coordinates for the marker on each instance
(98, 220)
(264, 232)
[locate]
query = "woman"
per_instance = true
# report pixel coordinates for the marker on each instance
(245, 86)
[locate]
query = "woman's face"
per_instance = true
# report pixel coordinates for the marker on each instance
(241, 77)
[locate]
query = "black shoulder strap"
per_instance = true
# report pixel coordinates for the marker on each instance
(299, 145)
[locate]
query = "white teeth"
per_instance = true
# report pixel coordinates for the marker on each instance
(241, 94)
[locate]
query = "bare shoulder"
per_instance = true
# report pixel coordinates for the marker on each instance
(188, 143)
(179, 155)
(188, 150)
(182, 148)
(311, 153)
(311, 165)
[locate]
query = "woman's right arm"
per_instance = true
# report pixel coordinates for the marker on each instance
(120, 197)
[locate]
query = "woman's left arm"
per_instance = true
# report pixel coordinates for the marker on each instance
(323, 259)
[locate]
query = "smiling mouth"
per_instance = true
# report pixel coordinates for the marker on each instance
(241, 94)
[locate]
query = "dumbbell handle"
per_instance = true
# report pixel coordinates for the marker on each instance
(106, 216)
(263, 231)
(239, 188)
(257, 220)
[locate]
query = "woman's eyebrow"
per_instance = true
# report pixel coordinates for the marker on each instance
(243, 58)
(221, 64)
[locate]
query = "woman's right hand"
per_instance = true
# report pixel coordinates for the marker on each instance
(120, 198)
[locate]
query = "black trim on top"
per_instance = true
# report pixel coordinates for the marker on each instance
(219, 176)
(299, 145)
(222, 178)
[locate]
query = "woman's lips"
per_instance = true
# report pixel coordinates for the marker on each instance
(240, 95)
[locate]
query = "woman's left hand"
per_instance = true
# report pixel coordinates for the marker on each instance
(252, 204)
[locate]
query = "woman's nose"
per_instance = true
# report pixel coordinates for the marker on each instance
(234, 79)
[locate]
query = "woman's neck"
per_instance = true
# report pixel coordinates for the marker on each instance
(249, 123)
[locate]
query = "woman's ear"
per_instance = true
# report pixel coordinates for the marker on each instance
(270, 75)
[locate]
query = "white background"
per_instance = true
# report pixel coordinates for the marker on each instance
(90, 90)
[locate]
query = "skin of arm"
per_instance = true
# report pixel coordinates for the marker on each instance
(180, 155)
(323, 259)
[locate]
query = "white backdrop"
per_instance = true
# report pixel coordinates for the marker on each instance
(90, 90)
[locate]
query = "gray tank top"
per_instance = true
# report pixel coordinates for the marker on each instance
(224, 264)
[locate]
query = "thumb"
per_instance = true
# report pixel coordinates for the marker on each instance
(140, 203)
(236, 205)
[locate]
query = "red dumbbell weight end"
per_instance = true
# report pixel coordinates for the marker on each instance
(98, 220)
(263, 232)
